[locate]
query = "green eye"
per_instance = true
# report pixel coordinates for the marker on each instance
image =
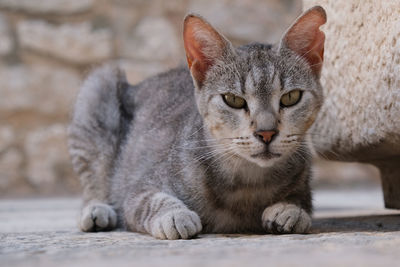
(291, 98)
(234, 101)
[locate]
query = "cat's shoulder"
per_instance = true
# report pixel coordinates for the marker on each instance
(179, 76)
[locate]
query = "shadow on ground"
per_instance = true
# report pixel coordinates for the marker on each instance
(372, 223)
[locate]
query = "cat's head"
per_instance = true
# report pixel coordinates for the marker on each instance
(257, 101)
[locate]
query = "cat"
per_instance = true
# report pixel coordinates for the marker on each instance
(215, 147)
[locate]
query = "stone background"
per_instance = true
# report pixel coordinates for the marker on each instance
(48, 46)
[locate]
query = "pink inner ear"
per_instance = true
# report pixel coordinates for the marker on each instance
(314, 53)
(202, 44)
(305, 38)
(194, 55)
(192, 46)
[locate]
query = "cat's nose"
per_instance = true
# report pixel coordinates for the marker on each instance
(265, 136)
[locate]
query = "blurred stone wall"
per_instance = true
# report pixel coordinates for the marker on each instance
(48, 46)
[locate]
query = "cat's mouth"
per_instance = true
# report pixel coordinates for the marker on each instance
(266, 155)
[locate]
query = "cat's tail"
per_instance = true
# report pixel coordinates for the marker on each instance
(96, 131)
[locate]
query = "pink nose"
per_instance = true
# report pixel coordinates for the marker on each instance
(266, 136)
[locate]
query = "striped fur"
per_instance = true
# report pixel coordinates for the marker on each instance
(170, 158)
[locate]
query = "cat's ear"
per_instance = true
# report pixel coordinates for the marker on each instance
(204, 46)
(305, 38)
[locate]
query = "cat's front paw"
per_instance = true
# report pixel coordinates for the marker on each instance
(97, 217)
(284, 218)
(175, 224)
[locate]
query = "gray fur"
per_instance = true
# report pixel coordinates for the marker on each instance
(173, 160)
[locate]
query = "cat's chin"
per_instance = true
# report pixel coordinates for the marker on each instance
(265, 163)
(264, 159)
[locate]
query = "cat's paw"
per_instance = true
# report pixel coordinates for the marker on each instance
(175, 224)
(97, 217)
(283, 218)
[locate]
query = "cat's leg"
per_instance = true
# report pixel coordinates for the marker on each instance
(292, 214)
(93, 140)
(97, 216)
(286, 218)
(161, 215)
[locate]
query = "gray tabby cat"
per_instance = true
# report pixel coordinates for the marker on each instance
(216, 148)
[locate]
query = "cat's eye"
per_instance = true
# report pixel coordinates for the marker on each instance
(291, 98)
(234, 101)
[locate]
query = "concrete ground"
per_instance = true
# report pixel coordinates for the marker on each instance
(350, 228)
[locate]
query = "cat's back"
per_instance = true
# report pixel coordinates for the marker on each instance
(160, 108)
(161, 97)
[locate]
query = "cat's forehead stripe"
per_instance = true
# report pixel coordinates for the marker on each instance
(249, 82)
(259, 79)
(277, 82)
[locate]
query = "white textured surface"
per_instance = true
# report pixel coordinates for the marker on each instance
(360, 75)
(43, 232)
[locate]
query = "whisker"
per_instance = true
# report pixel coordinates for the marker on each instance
(196, 131)
(209, 140)
(210, 154)
(219, 158)
(200, 147)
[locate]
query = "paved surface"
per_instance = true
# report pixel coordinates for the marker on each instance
(351, 228)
